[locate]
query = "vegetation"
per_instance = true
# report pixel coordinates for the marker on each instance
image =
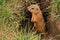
(12, 12)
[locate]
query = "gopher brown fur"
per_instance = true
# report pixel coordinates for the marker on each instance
(37, 18)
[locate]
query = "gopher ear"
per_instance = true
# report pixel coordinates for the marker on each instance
(36, 4)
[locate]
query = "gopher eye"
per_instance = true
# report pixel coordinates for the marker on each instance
(32, 8)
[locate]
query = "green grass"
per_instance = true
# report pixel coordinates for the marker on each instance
(11, 13)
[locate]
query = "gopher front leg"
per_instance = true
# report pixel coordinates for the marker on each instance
(33, 27)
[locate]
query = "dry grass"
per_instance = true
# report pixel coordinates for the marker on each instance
(11, 13)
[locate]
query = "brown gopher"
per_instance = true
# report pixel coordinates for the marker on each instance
(37, 18)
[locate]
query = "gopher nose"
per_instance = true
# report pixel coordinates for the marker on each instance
(27, 7)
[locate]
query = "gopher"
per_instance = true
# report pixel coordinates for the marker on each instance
(37, 18)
